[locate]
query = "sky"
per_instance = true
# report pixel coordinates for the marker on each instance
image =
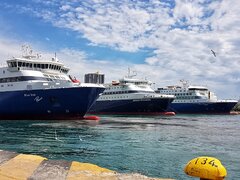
(163, 41)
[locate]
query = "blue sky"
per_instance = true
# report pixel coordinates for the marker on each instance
(162, 40)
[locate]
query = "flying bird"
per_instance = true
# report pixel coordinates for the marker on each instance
(213, 53)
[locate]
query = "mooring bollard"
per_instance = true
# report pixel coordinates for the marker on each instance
(206, 168)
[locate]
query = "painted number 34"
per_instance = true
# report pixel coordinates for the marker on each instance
(204, 161)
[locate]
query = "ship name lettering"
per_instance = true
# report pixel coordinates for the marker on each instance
(29, 95)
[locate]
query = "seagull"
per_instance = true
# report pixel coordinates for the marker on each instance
(213, 53)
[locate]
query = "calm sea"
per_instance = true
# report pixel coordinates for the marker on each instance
(154, 146)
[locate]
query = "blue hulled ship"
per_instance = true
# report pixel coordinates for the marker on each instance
(196, 100)
(131, 96)
(31, 88)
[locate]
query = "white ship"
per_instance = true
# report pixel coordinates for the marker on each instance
(196, 99)
(131, 96)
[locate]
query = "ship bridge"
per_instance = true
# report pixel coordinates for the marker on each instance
(33, 64)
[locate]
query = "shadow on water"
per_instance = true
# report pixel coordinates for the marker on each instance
(129, 124)
(67, 123)
(125, 122)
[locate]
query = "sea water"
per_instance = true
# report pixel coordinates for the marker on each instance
(157, 146)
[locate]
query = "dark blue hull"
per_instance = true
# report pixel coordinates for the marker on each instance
(150, 106)
(202, 108)
(62, 103)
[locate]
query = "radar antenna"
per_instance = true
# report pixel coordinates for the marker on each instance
(27, 52)
(134, 73)
(184, 83)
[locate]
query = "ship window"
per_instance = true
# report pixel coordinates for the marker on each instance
(19, 64)
(38, 66)
(20, 78)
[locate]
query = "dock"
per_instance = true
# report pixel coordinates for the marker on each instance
(33, 167)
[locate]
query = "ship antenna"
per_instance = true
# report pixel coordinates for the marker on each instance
(184, 83)
(129, 72)
(27, 52)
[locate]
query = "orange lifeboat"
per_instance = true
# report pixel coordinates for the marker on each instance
(74, 80)
(115, 83)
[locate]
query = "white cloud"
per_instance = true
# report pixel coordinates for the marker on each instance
(191, 11)
(8, 49)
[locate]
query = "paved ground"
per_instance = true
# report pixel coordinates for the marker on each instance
(32, 167)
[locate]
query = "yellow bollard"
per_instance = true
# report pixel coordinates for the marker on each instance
(206, 168)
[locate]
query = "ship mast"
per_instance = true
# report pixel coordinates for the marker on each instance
(27, 52)
(129, 73)
(184, 83)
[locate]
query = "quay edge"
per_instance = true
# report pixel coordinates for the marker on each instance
(23, 166)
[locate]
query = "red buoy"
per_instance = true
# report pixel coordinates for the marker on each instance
(169, 113)
(95, 118)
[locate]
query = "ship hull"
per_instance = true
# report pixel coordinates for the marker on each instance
(202, 108)
(51, 104)
(132, 106)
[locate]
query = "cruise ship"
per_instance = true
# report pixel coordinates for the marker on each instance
(130, 96)
(32, 88)
(196, 100)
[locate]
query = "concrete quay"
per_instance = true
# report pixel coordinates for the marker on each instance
(15, 166)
